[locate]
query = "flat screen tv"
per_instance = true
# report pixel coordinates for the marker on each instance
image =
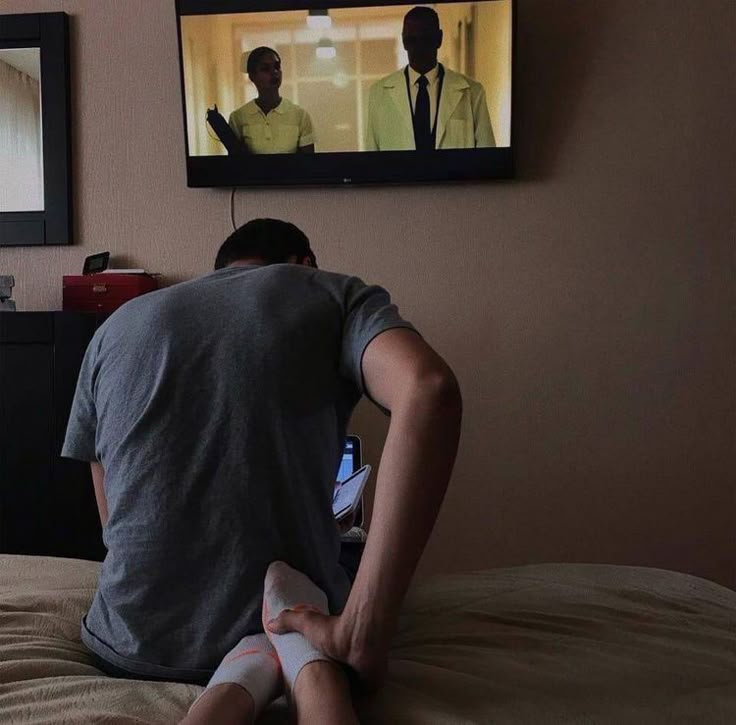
(290, 92)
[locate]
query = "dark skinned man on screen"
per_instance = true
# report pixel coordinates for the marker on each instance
(426, 106)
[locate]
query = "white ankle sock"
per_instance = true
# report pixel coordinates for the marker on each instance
(286, 588)
(253, 665)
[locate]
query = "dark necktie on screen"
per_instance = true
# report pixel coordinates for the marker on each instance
(422, 129)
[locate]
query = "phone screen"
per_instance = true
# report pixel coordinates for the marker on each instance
(347, 495)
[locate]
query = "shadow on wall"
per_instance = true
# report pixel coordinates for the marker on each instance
(555, 43)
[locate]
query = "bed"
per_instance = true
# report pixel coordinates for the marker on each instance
(553, 643)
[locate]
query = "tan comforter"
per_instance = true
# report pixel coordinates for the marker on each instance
(535, 644)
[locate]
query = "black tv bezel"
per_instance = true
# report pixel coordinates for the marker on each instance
(338, 168)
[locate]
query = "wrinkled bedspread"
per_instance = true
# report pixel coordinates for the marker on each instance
(552, 643)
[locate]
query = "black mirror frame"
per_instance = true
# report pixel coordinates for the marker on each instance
(53, 226)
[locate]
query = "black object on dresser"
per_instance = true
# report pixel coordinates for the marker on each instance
(47, 503)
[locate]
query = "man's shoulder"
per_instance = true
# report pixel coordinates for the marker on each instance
(454, 79)
(288, 108)
(146, 309)
(389, 81)
(309, 275)
(134, 309)
(295, 111)
(342, 288)
(245, 110)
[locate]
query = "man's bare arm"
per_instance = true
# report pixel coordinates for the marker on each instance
(403, 374)
(98, 478)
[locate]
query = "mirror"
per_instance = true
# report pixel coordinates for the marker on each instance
(35, 146)
(21, 141)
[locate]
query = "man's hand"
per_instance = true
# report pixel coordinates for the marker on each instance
(333, 636)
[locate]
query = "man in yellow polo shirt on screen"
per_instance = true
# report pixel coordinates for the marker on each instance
(271, 124)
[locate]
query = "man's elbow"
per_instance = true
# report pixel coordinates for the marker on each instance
(437, 388)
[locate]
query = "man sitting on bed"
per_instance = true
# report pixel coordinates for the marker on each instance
(214, 413)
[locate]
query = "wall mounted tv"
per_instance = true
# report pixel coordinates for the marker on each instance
(289, 92)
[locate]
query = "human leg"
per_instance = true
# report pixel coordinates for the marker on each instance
(225, 704)
(246, 680)
(317, 685)
(321, 694)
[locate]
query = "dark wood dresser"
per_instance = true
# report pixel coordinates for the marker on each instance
(47, 503)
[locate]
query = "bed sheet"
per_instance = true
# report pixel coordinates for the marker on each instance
(550, 643)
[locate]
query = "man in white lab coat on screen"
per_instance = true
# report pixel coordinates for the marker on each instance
(426, 106)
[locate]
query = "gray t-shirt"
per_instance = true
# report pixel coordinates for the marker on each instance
(218, 409)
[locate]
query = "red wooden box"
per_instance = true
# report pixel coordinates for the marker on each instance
(103, 292)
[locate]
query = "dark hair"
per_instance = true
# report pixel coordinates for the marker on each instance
(422, 12)
(255, 55)
(271, 240)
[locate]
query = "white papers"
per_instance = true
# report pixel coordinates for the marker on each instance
(123, 271)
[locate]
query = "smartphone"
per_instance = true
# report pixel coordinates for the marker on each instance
(348, 494)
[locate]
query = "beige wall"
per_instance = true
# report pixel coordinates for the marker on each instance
(587, 306)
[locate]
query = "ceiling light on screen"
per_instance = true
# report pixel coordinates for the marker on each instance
(325, 49)
(319, 19)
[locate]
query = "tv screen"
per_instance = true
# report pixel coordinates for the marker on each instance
(288, 92)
